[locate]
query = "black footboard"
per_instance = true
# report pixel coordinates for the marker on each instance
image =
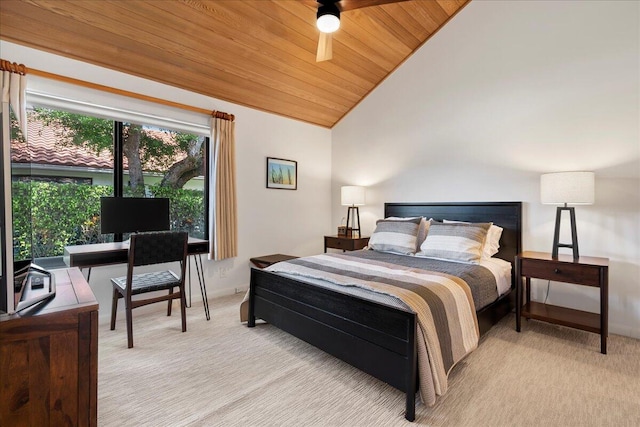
(375, 338)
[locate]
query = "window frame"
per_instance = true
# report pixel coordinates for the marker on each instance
(119, 125)
(118, 172)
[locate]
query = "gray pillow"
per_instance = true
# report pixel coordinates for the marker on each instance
(455, 242)
(395, 236)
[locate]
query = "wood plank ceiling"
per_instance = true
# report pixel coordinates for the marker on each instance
(261, 54)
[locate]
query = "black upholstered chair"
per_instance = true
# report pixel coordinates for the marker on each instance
(147, 249)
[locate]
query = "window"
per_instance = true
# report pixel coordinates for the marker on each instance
(71, 160)
(58, 177)
(166, 163)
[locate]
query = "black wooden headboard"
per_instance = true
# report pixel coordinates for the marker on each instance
(507, 215)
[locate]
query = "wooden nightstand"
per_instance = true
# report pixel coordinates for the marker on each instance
(345, 243)
(267, 260)
(586, 271)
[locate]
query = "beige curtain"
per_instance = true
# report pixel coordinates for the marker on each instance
(13, 85)
(223, 229)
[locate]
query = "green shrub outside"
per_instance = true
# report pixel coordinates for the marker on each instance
(186, 209)
(49, 216)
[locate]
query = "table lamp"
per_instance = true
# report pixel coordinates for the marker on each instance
(563, 188)
(352, 196)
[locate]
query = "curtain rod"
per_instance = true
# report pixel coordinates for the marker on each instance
(20, 68)
(12, 67)
(224, 116)
(123, 92)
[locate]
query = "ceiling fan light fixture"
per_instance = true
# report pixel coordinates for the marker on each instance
(328, 18)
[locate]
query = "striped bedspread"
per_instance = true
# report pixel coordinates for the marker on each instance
(447, 327)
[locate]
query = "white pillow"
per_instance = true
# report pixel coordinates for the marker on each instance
(455, 242)
(423, 227)
(491, 243)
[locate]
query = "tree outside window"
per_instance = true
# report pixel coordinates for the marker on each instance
(156, 163)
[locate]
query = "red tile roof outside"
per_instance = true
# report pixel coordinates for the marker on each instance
(43, 148)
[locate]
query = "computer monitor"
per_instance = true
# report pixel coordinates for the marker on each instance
(133, 214)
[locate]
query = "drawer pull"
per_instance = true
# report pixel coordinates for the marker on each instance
(557, 271)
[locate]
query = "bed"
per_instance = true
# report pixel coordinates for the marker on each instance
(378, 338)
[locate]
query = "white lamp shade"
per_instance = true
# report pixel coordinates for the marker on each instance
(576, 188)
(352, 195)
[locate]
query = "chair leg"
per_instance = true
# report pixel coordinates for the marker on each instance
(183, 309)
(169, 302)
(129, 322)
(114, 308)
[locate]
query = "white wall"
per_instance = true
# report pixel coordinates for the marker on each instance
(509, 90)
(269, 221)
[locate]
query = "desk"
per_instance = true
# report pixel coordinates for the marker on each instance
(100, 254)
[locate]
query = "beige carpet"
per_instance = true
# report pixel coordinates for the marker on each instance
(221, 373)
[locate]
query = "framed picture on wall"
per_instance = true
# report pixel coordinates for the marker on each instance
(282, 174)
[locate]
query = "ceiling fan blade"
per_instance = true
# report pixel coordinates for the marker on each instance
(346, 5)
(325, 51)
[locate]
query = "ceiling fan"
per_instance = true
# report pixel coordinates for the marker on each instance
(328, 20)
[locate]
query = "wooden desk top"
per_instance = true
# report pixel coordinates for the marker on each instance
(97, 254)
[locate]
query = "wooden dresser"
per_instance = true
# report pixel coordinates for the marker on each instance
(49, 359)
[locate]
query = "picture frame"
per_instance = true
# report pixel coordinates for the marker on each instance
(282, 174)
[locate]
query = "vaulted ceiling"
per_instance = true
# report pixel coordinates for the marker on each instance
(261, 53)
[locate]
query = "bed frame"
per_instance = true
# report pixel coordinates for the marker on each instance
(376, 338)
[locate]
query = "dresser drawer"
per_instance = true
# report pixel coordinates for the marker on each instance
(561, 272)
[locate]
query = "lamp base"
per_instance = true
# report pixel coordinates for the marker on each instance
(574, 234)
(353, 219)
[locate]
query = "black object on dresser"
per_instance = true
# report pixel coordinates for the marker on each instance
(585, 271)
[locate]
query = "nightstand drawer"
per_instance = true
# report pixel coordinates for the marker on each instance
(335, 243)
(561, 272)
(345, 243)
